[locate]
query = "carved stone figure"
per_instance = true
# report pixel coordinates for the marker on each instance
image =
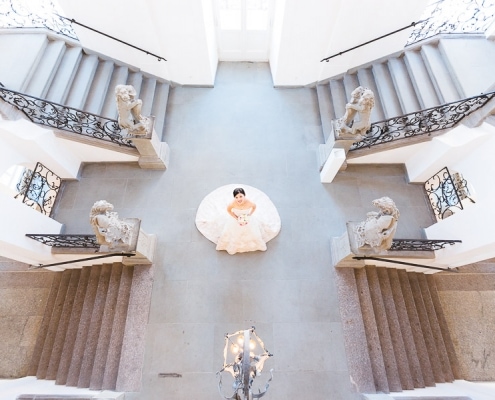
(356, 120)
(379, 228)
(129, 109)
(109, 229)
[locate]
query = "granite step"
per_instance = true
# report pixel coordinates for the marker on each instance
(99, 87)
(387, 94)
(403, 85)
(64, 76)
(82, 81)
(159, 109)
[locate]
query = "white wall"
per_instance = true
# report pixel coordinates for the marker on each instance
(180, 31)
(314, 29)
(470, 152)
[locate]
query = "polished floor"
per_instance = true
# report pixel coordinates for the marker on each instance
(244, 131)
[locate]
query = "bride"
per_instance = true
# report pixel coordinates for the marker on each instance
(241, 233)
(239, 225)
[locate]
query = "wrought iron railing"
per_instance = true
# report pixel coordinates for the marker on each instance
(422, 122)
(79, 260)
(421, 244)
(65, 118)
(39, 188)
(454, 16)
(446, 192)
(67, 241)
(16, 14)
(409, 264)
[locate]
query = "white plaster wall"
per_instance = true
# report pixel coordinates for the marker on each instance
(17, 220)
(179, 31)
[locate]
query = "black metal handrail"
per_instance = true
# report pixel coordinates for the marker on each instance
(473, 17)
(327, 59)
(82, 259)
(39, 188)
(77, 241)
(421, 244)
(159, 58)
(19, 15)
(422, 122)
(443, 194)
(57, 116)
(403, 263)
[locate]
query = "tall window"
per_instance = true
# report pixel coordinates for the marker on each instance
(243, 28)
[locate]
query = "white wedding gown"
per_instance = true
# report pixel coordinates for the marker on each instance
(213, 221)
(241, 235)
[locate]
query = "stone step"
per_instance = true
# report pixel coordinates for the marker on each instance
(351, 82)
(56, 313)
(435, 328)
(64, 76)
(402, 82)
(421, 80)
(426, 329)
(398, 346)
(326, 110)
(107, 320)
(119, 77)
(73, 326)
(94, 327)
(135, 78)
(63, 324)
(160, 107)
(82, 81)
(405, 329)
(99, 87)
(147, 95)
(45, 70)
(339, 97)
(372, 334)
(443, 82)
(416, 329)
(386, 94)
(384, 332)
(118, 327)
(449, 344)
(366, 79)
(133, 344)
(45, 323)
(83, 327)
(358, 359)
(17, 67)
(467, 281)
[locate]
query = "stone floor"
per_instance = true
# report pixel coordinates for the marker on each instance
(244, 131)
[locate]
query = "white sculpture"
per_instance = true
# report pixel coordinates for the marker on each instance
(379, 228)
(356, 120)
(129, 109)
(109, 229)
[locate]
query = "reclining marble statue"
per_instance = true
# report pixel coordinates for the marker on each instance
(377, 231)
(356, 121)
(112, 232)
(129, 109)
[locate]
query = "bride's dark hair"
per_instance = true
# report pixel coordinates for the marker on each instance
(239, 190)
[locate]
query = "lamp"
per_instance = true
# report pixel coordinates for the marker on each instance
(244, 356)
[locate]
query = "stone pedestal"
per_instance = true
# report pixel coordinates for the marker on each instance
(154, 154)
(342, 256)
(145, 250)
(333, 164)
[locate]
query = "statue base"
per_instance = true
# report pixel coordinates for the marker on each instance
(145, 250)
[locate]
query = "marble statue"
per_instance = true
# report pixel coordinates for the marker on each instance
(379, 228)
(109, 229)
(129, 109)
(356, 120)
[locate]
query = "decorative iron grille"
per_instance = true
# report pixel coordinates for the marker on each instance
(454, 16)
(57, 116)
(443, 194)
(67, 241)
(40, 191)
(15, 14)
(422, 122)
(420, 244)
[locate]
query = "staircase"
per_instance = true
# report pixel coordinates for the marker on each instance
(92, 332)
(61, 71)
(396, 335)
(435, 72)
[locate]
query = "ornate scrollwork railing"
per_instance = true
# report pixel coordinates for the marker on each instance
(420, 244)
(16, 14)
(422, 122)
(446, 193)
(61, 117)
(39, 188)
(67, 241)
(454, 16)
